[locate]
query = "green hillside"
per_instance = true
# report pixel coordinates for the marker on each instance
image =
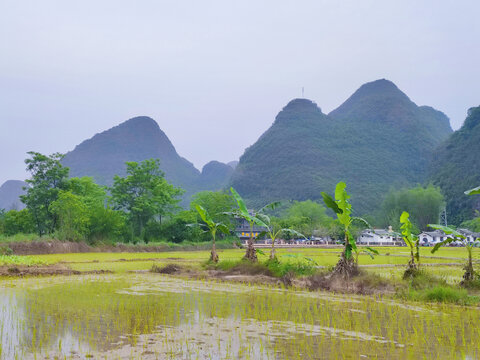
(456, 168)
(104, 156)
(375, 140)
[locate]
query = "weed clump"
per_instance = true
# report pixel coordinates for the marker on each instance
(363, 283)
(167, 269)
(271, 267)
(443, 294)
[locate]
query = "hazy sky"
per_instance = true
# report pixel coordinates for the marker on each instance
(214, 74)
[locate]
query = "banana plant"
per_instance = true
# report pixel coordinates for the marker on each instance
(273, 232)
(367, 250)
(346, 266)
(412, 242)
(475, 191)
(253, 219)
(456, 236)
(212, 227)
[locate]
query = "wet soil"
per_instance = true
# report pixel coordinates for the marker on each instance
(21, 271)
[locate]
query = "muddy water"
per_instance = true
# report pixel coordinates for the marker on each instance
(149, 316)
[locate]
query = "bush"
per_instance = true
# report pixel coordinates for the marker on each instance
(274, 267)
(296, 268)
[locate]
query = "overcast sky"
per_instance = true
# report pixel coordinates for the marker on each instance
(214, 74)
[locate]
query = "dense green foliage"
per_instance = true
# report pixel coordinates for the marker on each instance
(144, 194)
(376, 139)
(217, 204)
(456, 168)
(424, 204)
(48, 178)
(78, 209)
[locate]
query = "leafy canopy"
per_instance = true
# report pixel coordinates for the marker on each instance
(144, 194)
(48, 177)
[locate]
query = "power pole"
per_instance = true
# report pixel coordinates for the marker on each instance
(443, 217)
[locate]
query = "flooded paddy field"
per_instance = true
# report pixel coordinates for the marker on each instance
(153, 316)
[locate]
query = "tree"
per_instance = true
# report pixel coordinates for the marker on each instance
(212, 228)
(474, 224)
(144, 194)
(424, 205)
(412, 242)
(72, 214)
(469, 274)
(17, 222)
(314, 214)
(341, 206)
(48, 177)
(252, 219)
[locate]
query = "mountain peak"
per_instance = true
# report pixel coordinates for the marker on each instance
(141, 121)
(380, 85)
(302, 105)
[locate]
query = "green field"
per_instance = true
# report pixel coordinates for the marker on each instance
(324, 257)
(142, 315)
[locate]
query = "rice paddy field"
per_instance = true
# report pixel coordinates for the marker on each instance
(130, 314)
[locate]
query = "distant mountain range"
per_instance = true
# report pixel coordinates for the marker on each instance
(377, 139)
(456, 168)
(10, 193)
(104, 156)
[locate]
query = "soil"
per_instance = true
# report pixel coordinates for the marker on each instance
(362, 284)
(21, 270)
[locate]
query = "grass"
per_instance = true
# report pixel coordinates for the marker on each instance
(21, 260)
(21, 238)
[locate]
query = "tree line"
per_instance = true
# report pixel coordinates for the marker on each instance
(143, 207)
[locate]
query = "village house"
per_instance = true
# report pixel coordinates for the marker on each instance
(470, 235)
(379, 237)
(430, 238)
(243, 230)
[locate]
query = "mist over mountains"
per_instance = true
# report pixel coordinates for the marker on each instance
(376, 140)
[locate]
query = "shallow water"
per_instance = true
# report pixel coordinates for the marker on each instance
(150, 316)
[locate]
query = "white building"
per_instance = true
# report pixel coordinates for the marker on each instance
(430, 238)
(378, 237)
(470, 235)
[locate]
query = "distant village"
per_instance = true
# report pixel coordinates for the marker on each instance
(368, 237)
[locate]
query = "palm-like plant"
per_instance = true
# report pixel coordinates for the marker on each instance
(274, 231)
(412, 242)
(253, 219)
(347, 265)
(212, 228)
(456, 236)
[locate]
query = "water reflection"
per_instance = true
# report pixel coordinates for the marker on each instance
(150, 316)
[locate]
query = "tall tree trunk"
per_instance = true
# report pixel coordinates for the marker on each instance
(346, 267)
(251, 254)
(469, 272)
(273, 255)
(213, 253)
(412, 268)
